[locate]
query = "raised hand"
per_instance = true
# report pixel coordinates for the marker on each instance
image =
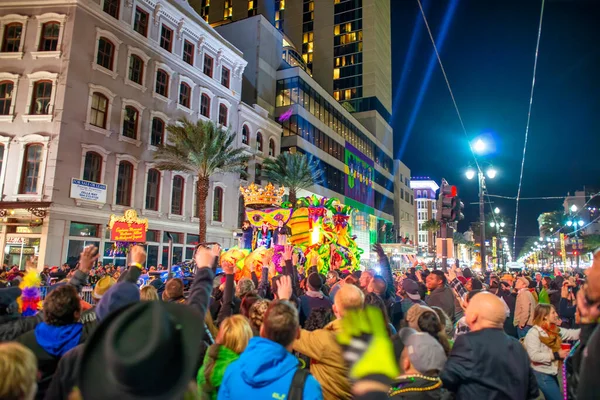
(88, 256)
(287, 252)
(228, 267)
(284, 287)
(137, 255)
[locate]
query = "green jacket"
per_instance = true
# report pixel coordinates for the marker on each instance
(224, 358)
(543, 297)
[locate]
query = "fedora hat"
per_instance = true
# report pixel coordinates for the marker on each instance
(149, 350)
(102, 286)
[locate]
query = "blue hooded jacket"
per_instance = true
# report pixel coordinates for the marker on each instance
(264, 371)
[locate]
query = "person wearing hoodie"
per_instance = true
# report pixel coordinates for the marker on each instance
(267, 369)
(234, 335)
(60, 332)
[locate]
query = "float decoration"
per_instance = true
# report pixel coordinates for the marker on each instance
(126, 230)
(30, 301)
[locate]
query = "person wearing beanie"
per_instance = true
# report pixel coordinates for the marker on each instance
(313, 298)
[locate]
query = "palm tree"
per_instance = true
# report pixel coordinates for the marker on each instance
(294, 171)
(202, 149)
(432, 225)
(550, 222)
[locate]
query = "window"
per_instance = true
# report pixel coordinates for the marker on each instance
(205, 105)
(158, 132)
(245, 135)
(227, 9)
(136, 69)
(130, 122)
(11, 42)
(218, 204)
(152, 189)
(223, 114)
(106, 51)
(98, 112)
(49, 36)
(31, 169)
(140, 22)
(111, 7)
(42, 94)
(166, 38)
(225, 77)
(92, 167)
(185, 95)
(208, 65)
(177, 195)
(124, 183)
(252, 8)
(6, 91)
(257, 174)
(271, 148)
(188, 52)
(162, 83)
(259, 142)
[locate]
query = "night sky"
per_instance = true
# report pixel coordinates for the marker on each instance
(488, 54)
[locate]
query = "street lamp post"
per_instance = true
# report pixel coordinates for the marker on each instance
(470, 174)
(573, 222)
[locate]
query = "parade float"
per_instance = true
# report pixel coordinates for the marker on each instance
(125, 231)
(315, 226)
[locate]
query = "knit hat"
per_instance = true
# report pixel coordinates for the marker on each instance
(413, 313)
(102, 286)
(315, 282)
(424, 352)
(118, 296)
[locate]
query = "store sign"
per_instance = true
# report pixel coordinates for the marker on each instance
(26, 251)
(17, 240)
(128, 228)
(88, 191)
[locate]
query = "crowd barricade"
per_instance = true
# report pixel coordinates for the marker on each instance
(86, 293)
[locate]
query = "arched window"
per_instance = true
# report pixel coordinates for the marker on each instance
(245, 134)
(205, 105)
(92, 167)
(185, 94)
(152, 189)
(6, 90)
(162, 83)
(218, 204)
(32, 163)
(11, 43)
(42, 93)
(259, 142)
(124, 183)
(99, 110)
(49, 36)
(158, 132)
(130, 122)
(271, 148)
(177, 195)
(106, 52)
(223, 114)
(136, 69)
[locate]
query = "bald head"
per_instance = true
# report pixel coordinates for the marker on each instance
(349, 296)
(485, 310)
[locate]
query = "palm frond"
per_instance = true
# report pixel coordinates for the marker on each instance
(293, 170)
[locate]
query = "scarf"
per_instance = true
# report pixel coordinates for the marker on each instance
(57, 340)
(553, 340)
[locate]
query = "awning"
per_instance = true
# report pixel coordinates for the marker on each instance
(37, 208)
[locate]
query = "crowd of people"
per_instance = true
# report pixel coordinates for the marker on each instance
(300, 334)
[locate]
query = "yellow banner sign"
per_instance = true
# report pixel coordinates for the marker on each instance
(563, 250)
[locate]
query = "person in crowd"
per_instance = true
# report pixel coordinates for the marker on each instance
(425, 319)
(257, 313)
(486, 363)
(461, 326)
(234, 335)
(149, 293)
(320, 346)
(313, 297)
(421, 360)
(247, 235)
(57, 334)
(538, 283)
(174, 291)
(440, 294)
(365, 279)
(444, 320)
(281, 233)
(18, 372)
(543, 343)
(267, 369)
(524, 308)
(372, 299)
(409, 294)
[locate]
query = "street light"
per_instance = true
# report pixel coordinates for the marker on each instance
(492, 224)
(470, 174)
(502, 224)
(496, 210)
(479, 146)
(574, 208)
(491, 173)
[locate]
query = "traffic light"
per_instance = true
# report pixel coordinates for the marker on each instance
(448, 202)
(460, 206)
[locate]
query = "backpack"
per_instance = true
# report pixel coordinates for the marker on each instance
(297, 387)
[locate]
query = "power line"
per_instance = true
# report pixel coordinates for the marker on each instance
(537, 49)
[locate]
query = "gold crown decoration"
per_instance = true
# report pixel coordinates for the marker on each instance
(256, 196)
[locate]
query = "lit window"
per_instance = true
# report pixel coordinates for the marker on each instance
(99, 110)
(336, 30)
(130, 122)
(140, 23)
(49, 37)
(336, 73)
(166, 38)
(31, 169)
(11, 42)
(227, 9)
(92, 167)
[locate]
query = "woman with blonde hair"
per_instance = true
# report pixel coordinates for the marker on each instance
(18, 372)
(544, 346)
(233, 337)
(148, 293)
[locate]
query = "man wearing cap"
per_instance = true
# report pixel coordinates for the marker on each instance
(409, 291)
(421, 359)
(525, 307)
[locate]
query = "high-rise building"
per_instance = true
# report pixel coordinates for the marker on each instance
(404, 203)
(87, 90)
(345, 44)
(425, 190)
